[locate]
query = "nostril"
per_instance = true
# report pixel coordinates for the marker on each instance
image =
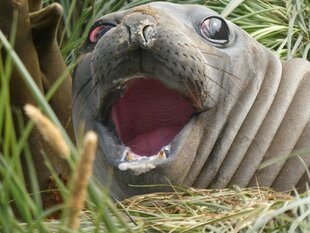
(129, 34)
(148, 33)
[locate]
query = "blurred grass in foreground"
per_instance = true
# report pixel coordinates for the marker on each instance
(280, 25)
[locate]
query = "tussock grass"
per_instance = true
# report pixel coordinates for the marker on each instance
(280, 25)
(223, 210)
(283, 26)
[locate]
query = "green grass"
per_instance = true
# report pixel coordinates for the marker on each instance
(283, 26)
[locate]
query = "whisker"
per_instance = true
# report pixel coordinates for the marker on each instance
(225, 71)
(212, 66)
(219, 85)
(193, 96)
(91, 90)
(206, 53)
(83, 86)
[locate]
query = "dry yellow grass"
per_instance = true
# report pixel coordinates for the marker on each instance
(81, 179)
(48, 130)
(199, 210)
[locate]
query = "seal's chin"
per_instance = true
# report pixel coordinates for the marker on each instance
(149, 116)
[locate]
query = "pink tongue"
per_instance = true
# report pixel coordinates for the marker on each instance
(149, 116)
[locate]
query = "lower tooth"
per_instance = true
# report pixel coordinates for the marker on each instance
(129, 156)
(162, 155)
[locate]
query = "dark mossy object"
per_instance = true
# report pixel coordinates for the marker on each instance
(36, 45)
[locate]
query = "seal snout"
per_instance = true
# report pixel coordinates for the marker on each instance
(141, 29)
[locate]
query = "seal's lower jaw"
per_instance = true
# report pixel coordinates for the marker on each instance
(148, 121)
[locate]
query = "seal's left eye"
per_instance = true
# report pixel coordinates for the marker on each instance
(97, 32)
(215, 30)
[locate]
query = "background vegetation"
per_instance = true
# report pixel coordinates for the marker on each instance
(282, 25)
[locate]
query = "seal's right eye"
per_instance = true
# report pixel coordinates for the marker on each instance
(215, 30)
(97, 31)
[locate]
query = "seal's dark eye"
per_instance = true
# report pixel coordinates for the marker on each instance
(97, 32)
(215, 30)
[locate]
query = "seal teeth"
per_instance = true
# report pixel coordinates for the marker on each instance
(162, 155)
(129, 156)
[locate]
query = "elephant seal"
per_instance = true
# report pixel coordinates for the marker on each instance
(179, 95)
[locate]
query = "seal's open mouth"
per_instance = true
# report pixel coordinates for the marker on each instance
(149, 116)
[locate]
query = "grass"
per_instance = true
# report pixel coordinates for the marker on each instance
(224, 210)
(280, 25)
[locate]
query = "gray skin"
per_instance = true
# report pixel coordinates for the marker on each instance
(250, 107)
